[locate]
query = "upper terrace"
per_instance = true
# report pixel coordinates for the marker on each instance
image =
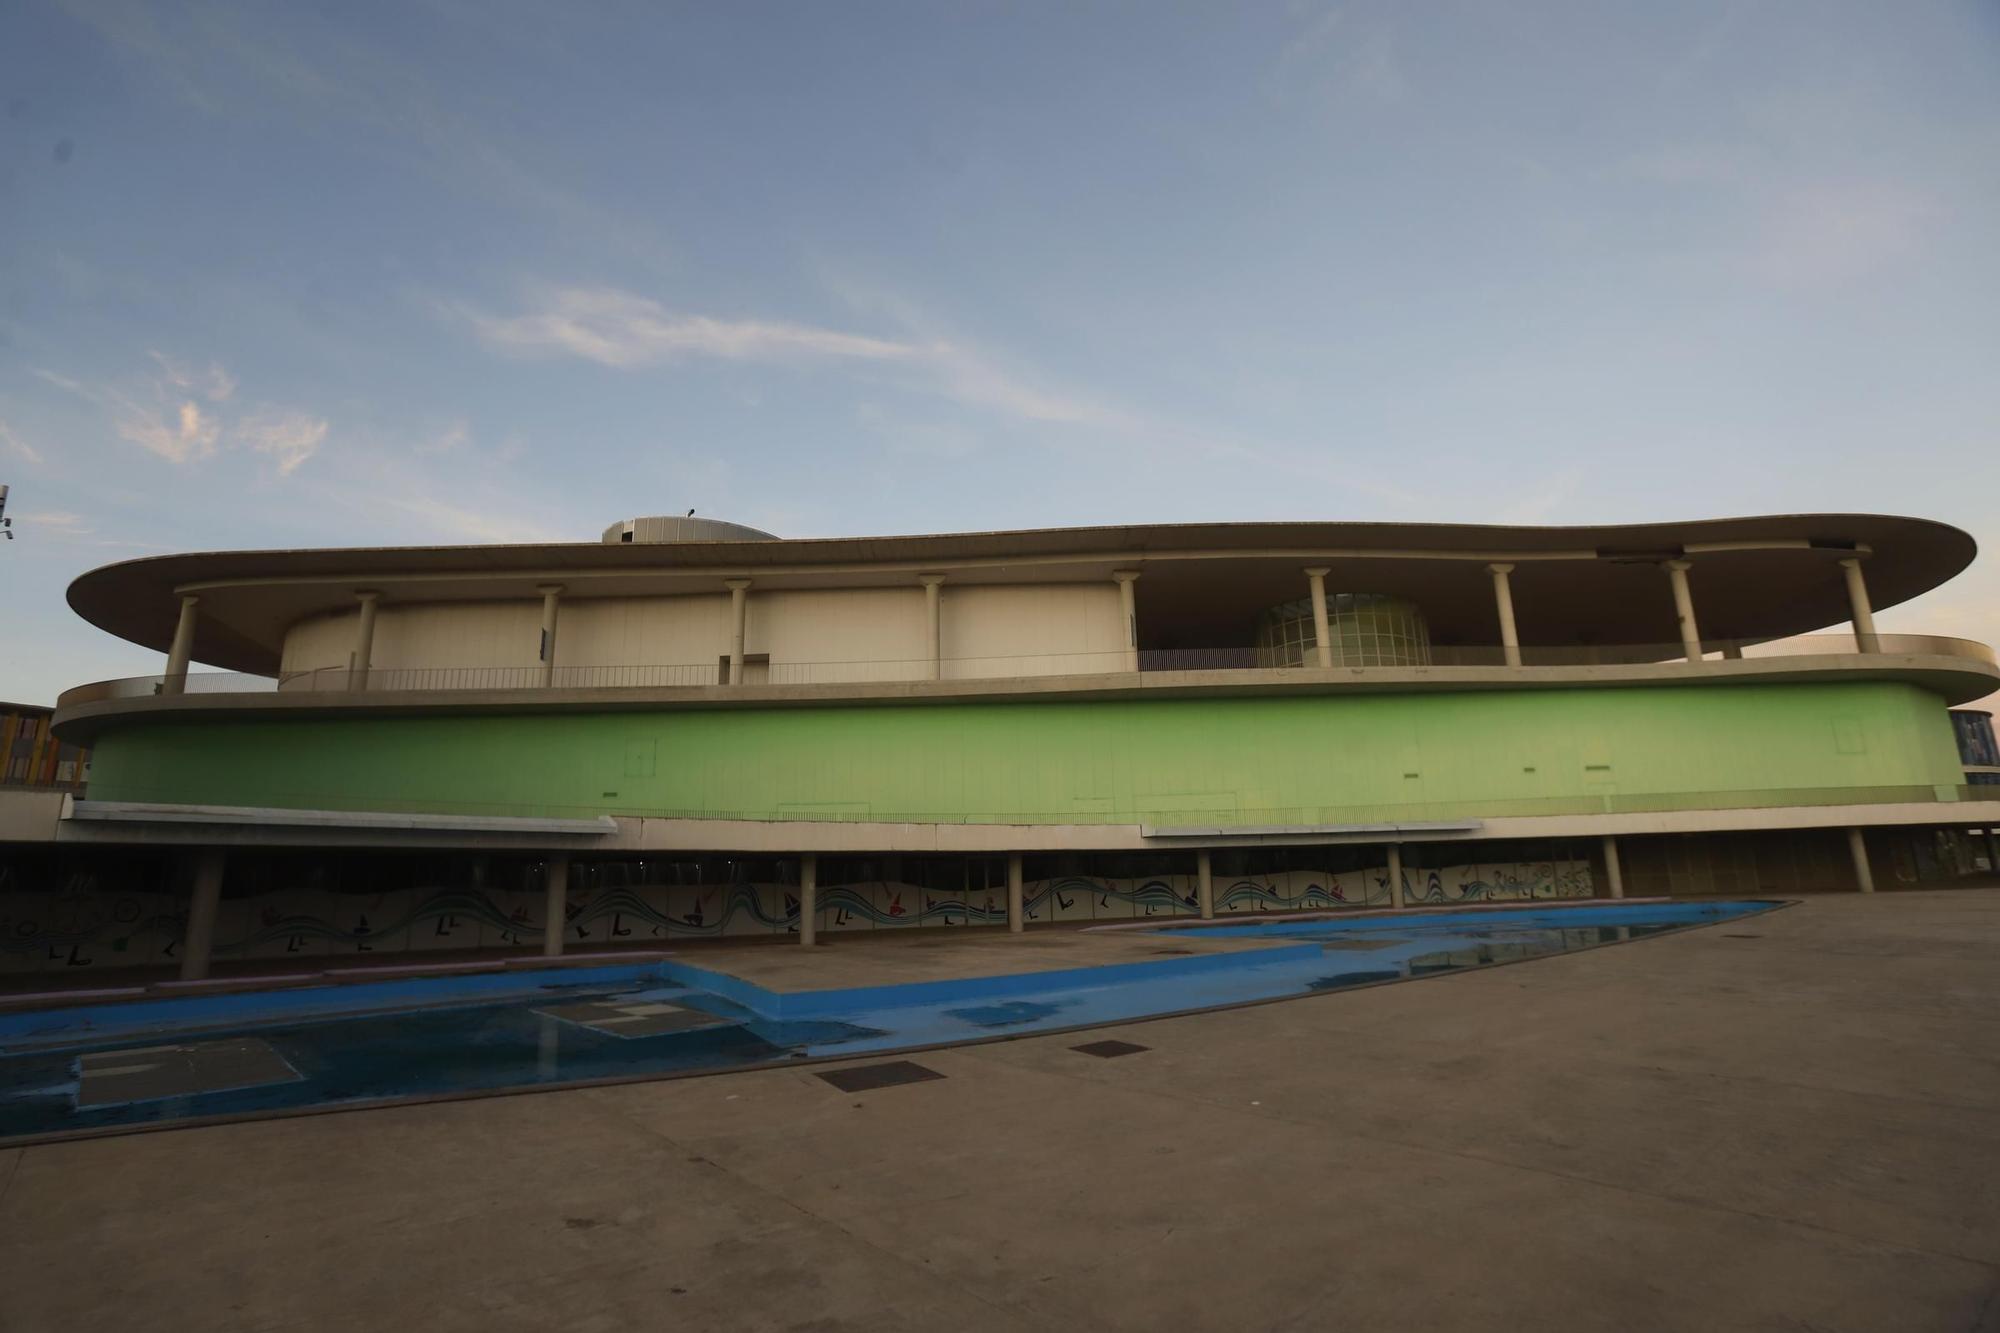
(1212, 606)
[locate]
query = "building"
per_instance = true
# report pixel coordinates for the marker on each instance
(692, 729)
(31, 755)
(1977, 749)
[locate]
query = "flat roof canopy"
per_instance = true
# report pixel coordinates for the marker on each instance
(1202, 584)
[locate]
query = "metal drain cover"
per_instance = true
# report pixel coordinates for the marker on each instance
(867, 1078)
(1107, 1050)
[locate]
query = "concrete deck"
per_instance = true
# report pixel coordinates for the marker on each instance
(1790, 1122)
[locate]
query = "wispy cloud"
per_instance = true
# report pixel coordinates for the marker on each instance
(627, 331)
(163, 413)
(179, 434)
(450, 440)
(622, 330)
(1831, 231)
(17, 446)
(214, 383)
(71, 529)
(226, 61)
(1797, 225)
(290, 438)
(1336, 51)
(57, 522)
(472, 524)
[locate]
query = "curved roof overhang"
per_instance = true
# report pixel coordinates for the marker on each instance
(1754, 578)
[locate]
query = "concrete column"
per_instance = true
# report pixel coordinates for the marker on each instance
(1614, 874)
(934, 622)
(551, 605)
(1322, 632)
(1677, 575)
(1732, 652)
(808, 897)
(200, 939)
(364, 639)
(1396, 876)
(739, 617)
(1857, 600)
(1204, 885)
(1015, 922)
(1857, 847)
(1992, 853)
(1503, 603)
(555, 910)
(182, 648)
(1128, 606)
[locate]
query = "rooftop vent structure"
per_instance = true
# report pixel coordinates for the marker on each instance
(682, 528)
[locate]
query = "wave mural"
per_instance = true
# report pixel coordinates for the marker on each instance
(83, 925)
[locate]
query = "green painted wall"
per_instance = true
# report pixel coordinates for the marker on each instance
(1179, 761)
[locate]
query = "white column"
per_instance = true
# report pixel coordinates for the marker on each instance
(551, 605)
(200, 938)
(1015, 922)
(1614, 874)
(1864, 614)
(1677, 575)
(1204, 884)
(364, 639)
(555, 908)
(808, 897)
(1322, 631)
(1857, 847)
(739, 616)
(1503, 603)
(934, 621)
(1128, 607)
(1396, 876)
(182, 648)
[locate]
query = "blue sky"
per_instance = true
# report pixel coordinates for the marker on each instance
(465, 272)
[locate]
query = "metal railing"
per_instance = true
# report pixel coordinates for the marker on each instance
(691, 675)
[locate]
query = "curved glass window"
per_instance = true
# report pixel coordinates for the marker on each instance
(1363, 628)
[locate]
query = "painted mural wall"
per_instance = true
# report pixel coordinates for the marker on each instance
(86, 924)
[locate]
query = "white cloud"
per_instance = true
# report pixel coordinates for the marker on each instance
(289, 437)
(182, 434)
(626, 331)
(17, 446)
(60, 381)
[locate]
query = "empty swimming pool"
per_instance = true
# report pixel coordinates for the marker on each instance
(124, 1066)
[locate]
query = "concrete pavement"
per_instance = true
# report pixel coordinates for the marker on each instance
(1782, 1123)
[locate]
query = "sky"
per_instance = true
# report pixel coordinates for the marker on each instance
(436, 272)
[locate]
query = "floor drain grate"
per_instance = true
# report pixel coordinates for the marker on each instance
(1108, 1050)
(867, 1078)
(1742, 937)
